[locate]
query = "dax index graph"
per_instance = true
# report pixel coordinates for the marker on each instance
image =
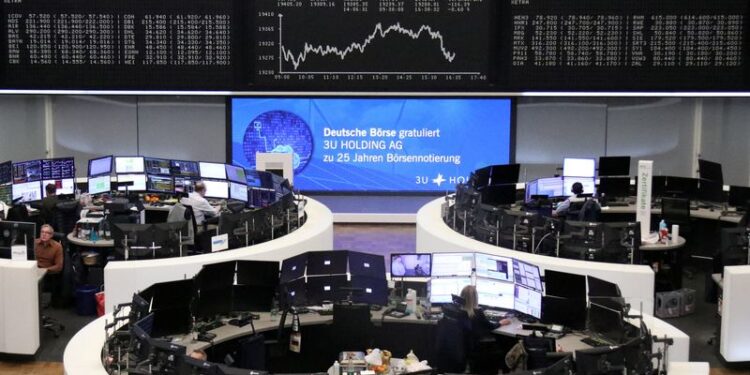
(361, 44)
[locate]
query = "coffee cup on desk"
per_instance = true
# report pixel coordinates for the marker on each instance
(675, 233)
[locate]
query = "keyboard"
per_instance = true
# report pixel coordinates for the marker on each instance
(494, 316)
(594, 342)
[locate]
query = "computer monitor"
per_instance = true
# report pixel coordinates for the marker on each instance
(167, 295)
(293, 293)
(494, 267)
(293, 268)
(238, 191)
(606, 322)
(452, 264)
(172, 321)
(564, 311)
(212, 302)
(527, 274)
(184, 184)
(159, 184)
(505, 174)
(442, 289)
(138, 180)
(185, 168)
(614, 187)
(684, 187)
(527, 301)
(614, 166)
(58, 168)
(577, 167)
(6, 172)
(212, 170)
(601, 288)
(370, 290)
(257, 272)
(326, 262)
(65, 186)
(495, 293)
(17, 233)
(551, 187)
(27, 171)
(658, 186)
(739, 196)
(27, 191)
(710, 191)
(367, 265)
(6, 194)
(325, 288)
(498, 195)
(252, 297)
(710, 170)
(162, 167)
(411, 265)
(532, 188)
(565, 285)
(480, 177)
(236, 174)
(216, 189)
(589, 185)
(216, 276)
(100, 166)
(129, 164)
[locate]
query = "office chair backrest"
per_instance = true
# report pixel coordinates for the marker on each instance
(180, 212)
(590, 211)
(537, 349)
(451, 352)
(66, 216)
(18, 212)
(675, 210)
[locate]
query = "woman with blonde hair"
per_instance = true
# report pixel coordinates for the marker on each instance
(471, 306)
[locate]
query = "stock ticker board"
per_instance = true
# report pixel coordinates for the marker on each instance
(376, 45)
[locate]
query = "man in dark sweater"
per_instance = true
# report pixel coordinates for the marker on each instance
(47, 209)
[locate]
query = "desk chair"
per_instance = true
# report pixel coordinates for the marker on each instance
(452, 340)
(537, 349)
(180, 212)
(52, 284)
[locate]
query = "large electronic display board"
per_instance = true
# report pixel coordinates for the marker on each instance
(374, 144)
(376, 45)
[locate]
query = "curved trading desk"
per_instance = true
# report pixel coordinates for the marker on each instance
(83, 353)
(123, 278)
(636, 281)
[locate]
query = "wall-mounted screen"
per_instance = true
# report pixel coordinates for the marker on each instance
(367, 144)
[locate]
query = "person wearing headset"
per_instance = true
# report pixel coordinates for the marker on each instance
(564, 206)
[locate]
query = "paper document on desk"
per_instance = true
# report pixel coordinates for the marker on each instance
(652, 238)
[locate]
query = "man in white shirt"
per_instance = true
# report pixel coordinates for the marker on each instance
(201, 208)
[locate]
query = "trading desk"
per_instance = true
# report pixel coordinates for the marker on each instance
(733, 217)
(19, 306)
(83, 353)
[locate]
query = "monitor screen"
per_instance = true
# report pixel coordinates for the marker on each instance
(158, 166)
(129, 164)
(6, 194)
(6, 172)
(527, 274)
(505, 174)
(589, 185)
(238, 191)
(442, 289)
(551, 187)
(369, 290)
(528, 301)
(139, 182)
(685, 187)
(532, 188)
(159, 184)
(566, 285)
(64, 186)
(58, 168)
(213, 170)
(495, 293)
(100, 166)
(367, 265)
(27, 171)
(606, 322)
(497, 195)
(259, 273)
(27, 191)
(98, 185)
(236, 174)
(602, 288)
(185, 168)
(614, 166)
(326, 262)
(710, 191)
(293, 268)
(739, 196)
(578, 167)
(386, 141)
(184, 184)
(494, 267)
(452, 264)
(216, 189)
(710, 170)
(617, 187)
(411, 265)
(325, 288)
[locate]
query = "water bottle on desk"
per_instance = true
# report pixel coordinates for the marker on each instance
(663, 231)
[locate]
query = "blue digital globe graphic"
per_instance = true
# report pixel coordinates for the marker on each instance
(282, 132)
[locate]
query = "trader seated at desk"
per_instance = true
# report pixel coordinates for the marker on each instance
(564, 207)
(480, 325)
(49, 256)
(48, 204)
(201, 208)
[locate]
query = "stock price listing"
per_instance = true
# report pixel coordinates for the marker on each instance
(376, 44)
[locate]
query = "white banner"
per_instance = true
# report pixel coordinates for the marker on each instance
(220, 242)
(18, 252)
(643, 198)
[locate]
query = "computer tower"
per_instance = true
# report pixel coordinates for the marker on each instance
(668, 304)
(687, 301)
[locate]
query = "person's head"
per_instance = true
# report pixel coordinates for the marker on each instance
(577, 188)
(200, 188)
(46, 233)
(469, 295)
(199, 354)
(51, 189)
